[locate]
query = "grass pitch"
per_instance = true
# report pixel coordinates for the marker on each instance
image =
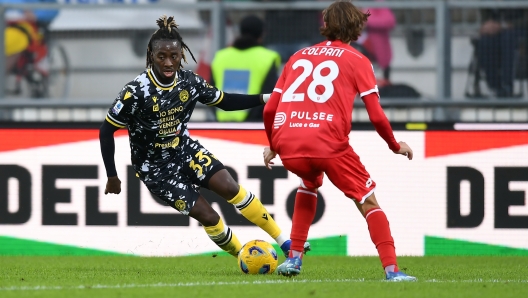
(207, 276)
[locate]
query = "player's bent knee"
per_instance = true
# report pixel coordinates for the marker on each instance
(204, 213)
(207, 218)
(369, 203)
(223, 184)
(211, 220)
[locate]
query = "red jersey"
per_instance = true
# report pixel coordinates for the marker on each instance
(313, 100)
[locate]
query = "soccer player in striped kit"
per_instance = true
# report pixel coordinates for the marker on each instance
(155, 108)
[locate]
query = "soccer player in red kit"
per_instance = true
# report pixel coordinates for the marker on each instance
(308, 119)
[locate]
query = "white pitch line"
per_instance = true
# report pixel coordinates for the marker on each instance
(225, 283)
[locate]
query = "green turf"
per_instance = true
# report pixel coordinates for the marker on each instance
(328, 246)
(205, 276)
(10, 246)
(438, 246)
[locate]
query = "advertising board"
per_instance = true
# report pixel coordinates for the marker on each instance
(463, 193)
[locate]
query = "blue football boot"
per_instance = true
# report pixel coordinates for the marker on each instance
(399, 276)
(290, 267)
(285, 247)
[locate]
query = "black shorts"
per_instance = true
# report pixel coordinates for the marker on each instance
(181, 188)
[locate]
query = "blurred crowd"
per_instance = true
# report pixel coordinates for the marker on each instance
(500, 47)
(285, 32)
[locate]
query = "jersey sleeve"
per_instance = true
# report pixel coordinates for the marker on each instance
(124, 106)
(205, 92)
(379, 120)
(269, 116)
(365, 80)
(271, 106)
(279, 86)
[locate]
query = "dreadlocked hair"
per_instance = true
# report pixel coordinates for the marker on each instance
(168, 30)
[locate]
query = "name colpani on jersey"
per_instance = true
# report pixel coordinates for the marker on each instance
(323, 51)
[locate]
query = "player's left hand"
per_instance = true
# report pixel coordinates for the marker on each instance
(268, 156)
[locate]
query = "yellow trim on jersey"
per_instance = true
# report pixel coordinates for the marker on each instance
(153, 79)
(113, 123)
(127, 95)
(219, 100)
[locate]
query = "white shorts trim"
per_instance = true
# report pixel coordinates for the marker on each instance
(366, 196)
(302, 183)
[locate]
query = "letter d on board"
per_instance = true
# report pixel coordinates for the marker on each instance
(23, 177)
(455, 175)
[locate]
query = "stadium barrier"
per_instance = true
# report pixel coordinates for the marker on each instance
(88, 34)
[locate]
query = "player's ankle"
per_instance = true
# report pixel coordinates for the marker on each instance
(391, 268)
(296, 254)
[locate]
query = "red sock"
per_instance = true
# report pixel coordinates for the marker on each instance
(303, 216)
(380, 234)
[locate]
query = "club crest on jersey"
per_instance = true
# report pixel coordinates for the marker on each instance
(180, 205)
(155, 108)
(117, 107)
(184, 95)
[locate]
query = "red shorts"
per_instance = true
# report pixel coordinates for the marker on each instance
(346, 172)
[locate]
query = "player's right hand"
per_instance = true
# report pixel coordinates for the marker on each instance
(268, 156)
(405, 150)
(113, 185)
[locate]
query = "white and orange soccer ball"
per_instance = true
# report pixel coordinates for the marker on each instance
(257, 257)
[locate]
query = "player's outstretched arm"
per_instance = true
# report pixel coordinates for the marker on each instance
(107, 143)
(379, 120)
(383, 127)
(234, 102)
(272, 101)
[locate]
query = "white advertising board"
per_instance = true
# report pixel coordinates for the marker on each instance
(465, 186)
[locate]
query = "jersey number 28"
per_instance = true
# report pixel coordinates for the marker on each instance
(318, 80)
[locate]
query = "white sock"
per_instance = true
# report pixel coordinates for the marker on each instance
(295, 253)
(390, 268)
(281, 239)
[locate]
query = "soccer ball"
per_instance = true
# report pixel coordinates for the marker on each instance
(257, 257)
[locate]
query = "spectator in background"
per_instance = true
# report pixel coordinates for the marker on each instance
(374, 42)
(375, 39)
(288, 30)
(499, 37)
(26, 27)
(245, 67)
(42, 17)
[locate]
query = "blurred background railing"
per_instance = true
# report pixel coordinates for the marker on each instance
(442, 69)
